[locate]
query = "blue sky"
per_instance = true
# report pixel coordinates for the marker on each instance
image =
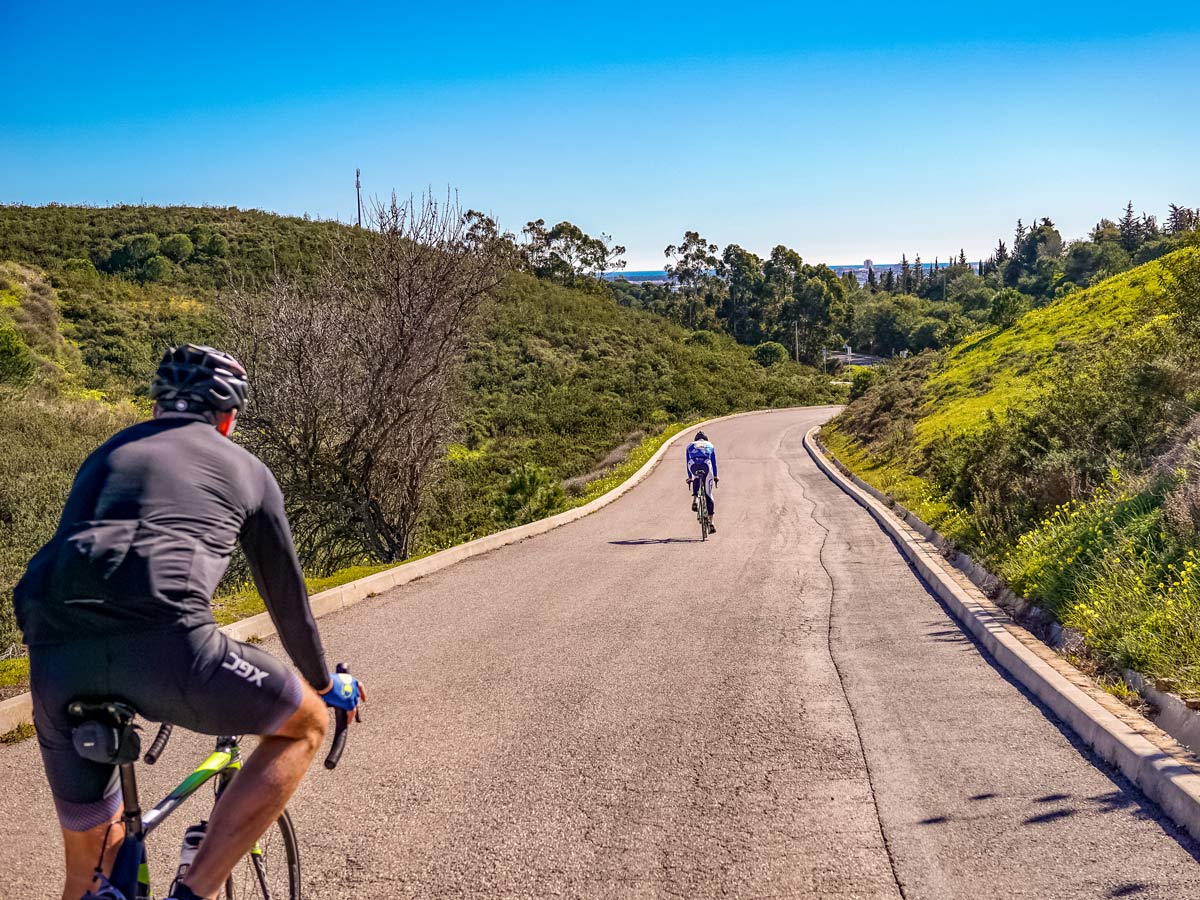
(850, 130)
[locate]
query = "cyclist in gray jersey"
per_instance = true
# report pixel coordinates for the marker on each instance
(117, 605)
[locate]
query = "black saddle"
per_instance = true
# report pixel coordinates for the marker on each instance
(105, 732)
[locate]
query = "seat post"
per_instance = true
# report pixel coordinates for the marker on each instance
(129, 793)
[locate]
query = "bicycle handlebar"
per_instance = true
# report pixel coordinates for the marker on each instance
(160, 743)
(341, 720)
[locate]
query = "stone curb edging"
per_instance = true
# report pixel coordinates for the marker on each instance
(1170, 782)
(19, 710)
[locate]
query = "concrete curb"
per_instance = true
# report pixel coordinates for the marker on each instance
(1170, 782)
(19, 710)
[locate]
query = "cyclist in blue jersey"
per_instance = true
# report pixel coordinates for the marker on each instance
(701, 461)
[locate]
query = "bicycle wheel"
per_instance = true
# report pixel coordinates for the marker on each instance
(703, 516)
(271, 871)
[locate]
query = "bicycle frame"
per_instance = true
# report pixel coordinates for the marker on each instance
(224, 761)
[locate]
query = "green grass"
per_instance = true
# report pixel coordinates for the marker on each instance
(242, 604)
(14, 672)
(637, 458)
(21, 733)
(1000, 369)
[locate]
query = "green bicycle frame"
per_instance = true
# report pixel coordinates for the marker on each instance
(225, 759)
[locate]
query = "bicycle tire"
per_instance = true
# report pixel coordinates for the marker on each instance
(274, 872)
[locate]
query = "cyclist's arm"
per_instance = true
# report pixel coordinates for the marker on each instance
(267, 542)
(714, 461)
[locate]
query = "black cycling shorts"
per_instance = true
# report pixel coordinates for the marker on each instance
(199, 679)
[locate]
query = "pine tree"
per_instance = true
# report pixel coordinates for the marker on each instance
(889, 281)
(918, 275)
(1130, 229)
(1001, 253)
(905, 275)
(872, 281)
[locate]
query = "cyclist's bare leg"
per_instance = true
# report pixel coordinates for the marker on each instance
(83, 852)
(257, 796)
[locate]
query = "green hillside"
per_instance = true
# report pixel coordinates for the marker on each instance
(557, 387)
(1063, 451)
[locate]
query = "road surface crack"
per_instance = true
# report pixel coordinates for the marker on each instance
(825, 534)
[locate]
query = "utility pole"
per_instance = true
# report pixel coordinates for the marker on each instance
(358, 194)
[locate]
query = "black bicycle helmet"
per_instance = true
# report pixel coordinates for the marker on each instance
(701, 436)
(192, 378)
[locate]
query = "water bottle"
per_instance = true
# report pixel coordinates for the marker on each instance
(191, 843)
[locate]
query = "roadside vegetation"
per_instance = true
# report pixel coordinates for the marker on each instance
(552, 393)
(1063, 451)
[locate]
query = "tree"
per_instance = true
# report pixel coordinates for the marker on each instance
(156, 268)
(691, 269)
(817, 308)
(566, 254)
(872, 281)
(133, 251)
(1181, 219)
(1130, 229)
(770, 353)
(743, 306)
(1007, 307)
(177, 247)
(352, 371)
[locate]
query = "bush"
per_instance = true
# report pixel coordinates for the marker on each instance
(177, 247)
(770, 353)
(1007, 306)
(133, 252)
(16, 362)
(41, 446)
(531, 494)
(156, 268)
(861, 378)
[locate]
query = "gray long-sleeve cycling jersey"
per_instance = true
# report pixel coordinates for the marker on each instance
(147, 532)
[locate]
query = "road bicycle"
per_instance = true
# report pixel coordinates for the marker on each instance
(700, 473)
(106, 733)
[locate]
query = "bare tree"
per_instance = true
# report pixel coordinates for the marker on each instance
(351, 373)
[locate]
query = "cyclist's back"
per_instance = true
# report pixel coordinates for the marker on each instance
(147, 532)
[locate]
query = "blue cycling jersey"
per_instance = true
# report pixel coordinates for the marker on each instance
(701, 452)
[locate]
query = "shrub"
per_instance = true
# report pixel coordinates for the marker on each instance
(531, 494)
(1007, 306)
(16, 362)
(770, 353)
(177, 247)
(156, 268)
(861, 378)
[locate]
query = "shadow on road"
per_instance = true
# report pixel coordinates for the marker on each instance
(638, 542)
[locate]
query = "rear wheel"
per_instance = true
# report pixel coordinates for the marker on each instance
(271, 871)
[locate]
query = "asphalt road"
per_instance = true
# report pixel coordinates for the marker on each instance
(614, 709)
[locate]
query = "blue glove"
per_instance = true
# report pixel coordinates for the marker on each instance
(344, 693)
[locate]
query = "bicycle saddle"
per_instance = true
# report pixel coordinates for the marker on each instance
(105, 733)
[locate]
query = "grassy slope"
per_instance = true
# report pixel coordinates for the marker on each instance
(998, 369)
(1105, 563)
